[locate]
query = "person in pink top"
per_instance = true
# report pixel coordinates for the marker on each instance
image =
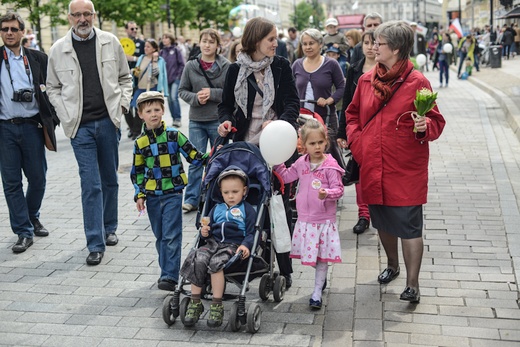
(315, 239)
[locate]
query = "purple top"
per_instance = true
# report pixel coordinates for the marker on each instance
(327, 75)
(174, 62)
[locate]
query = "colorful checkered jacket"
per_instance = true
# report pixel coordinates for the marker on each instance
(157, 166)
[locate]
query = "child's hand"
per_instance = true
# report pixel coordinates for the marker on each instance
(245, 251)
(139, 204)
(204, 230)
(322, 194)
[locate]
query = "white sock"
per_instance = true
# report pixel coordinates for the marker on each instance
(319, 279)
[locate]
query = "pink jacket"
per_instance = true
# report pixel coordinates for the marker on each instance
(393, 160)
(327, 175)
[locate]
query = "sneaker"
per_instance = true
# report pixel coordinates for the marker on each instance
(361, 225)
(195, 309)
(176, 123)
(315, 304)
(188, 207)
(440, 85)
(216, 315)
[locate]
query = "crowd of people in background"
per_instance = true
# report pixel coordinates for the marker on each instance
(242, 84)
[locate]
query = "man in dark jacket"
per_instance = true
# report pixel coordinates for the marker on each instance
(27, 122)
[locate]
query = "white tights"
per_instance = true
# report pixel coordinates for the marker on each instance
(319, 279)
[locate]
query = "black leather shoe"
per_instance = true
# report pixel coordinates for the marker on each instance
(94, 258)
(111, 240)
(22, 244)
(167, 284)
(288, 281)
(39, 229)
(388, 275)
(411, 295)
(361, 226)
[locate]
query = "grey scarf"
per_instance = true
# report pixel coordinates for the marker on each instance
(247, 67)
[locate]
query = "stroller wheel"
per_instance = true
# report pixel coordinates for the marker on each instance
(254, 318)
(264, 288)
(184, 308)
(279, 288)
(168, 312)
(234, 322)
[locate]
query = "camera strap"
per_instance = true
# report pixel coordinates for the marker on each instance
(25, 64)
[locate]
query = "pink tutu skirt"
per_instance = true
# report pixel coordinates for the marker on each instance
(312, 242)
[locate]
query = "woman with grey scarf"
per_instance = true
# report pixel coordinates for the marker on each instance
(259, 88)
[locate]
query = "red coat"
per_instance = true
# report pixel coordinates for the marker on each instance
(394, 163)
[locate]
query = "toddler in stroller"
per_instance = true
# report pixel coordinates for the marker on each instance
(243, 229)
(229, 231)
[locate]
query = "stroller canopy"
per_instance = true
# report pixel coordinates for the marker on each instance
(244, 155)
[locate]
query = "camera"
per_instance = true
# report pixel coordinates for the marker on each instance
(23, 95)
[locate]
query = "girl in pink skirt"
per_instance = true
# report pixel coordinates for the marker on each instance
(315, 239)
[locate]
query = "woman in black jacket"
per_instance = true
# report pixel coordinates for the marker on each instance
(259, 88)
(355, 71)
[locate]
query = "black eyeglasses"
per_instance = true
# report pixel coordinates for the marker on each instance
(133, 29)
(13, 30)
(84, 14)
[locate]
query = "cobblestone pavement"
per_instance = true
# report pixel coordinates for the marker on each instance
(49, 297)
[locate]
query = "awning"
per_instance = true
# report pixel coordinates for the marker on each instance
(514, 13)
(350, 21)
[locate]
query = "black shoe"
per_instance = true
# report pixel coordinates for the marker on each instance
(411, 295)
(111, 240)
(361, 226)
(39, 229)
(22, 244)
(94, 258)
(167, 284)
(388, 275)
(288, 281)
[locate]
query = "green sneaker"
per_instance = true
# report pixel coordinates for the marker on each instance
(195, 309)
(216, 315)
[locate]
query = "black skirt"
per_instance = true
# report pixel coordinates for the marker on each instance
(405, 222)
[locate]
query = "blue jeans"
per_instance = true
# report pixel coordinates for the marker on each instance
(22, 149)
(96, 149)
(165, 214)
(200, 133)
(444, 69)
(173, 100)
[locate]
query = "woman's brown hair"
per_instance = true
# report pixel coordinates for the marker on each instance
(256, 29)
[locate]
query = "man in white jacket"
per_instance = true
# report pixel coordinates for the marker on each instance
(90, 86)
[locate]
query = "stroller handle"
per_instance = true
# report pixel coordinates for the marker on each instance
(315, 102)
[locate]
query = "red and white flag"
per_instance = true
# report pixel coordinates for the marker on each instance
(455, 26)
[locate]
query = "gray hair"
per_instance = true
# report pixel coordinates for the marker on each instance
(70, 3)
(399, 35)
(373, 15)
(313, 34)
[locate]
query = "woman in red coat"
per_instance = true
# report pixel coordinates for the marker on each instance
(393, 158)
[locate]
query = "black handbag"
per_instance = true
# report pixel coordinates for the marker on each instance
(351, 175)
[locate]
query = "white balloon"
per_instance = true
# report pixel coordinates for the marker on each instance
(447, 48)
(278, 142)
(237, 31)
(420, 59)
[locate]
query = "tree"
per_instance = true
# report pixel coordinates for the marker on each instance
(303, 14)
(211, 13)
(52, 9)
(182, 11)
(122, 11)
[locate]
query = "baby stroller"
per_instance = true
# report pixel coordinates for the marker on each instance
(261, 262)
(333, 148)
